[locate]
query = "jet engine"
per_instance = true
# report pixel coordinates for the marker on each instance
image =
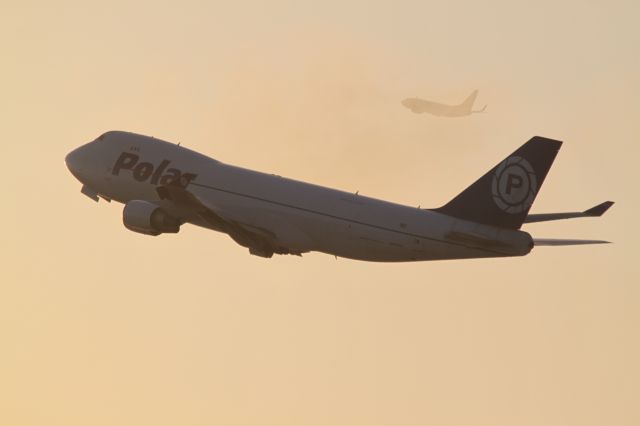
(147, 218)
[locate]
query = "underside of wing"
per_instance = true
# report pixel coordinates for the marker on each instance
(260, 242)
(596, 211)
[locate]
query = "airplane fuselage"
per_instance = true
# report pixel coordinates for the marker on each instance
(299, 217)
(434, 108)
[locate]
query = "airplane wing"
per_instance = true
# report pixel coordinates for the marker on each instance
(596, 211)
(560, 242)
(259, 241)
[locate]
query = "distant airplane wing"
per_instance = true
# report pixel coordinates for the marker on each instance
(596, 211)
(560, 242)
(259, 241)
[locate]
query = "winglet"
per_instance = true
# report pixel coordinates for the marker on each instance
(599, 210)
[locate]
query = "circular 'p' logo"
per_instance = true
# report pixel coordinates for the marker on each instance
(514, 185)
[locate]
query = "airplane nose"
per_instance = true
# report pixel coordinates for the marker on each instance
(72, 161)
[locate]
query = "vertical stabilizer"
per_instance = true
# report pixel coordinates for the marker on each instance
(504, 195)
(468, 103)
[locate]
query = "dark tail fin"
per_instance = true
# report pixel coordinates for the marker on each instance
(504, 195)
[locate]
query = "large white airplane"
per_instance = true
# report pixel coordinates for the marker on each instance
(164, 185)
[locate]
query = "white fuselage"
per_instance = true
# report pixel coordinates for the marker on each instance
(302, 216)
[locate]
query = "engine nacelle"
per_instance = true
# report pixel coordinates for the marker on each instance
(147, 218)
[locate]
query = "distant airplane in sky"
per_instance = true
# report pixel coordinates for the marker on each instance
(418, 106)
(164, 186)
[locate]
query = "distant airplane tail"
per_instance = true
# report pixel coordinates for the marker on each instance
(468, 103)
(504, 195)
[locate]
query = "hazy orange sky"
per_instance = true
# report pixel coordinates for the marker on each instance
(102, 326)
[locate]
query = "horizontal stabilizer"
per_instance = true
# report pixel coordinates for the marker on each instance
(596, 211)
(480, 110)
(559, 242)
(599, 209)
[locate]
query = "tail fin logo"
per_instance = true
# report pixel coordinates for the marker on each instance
(514, 185)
